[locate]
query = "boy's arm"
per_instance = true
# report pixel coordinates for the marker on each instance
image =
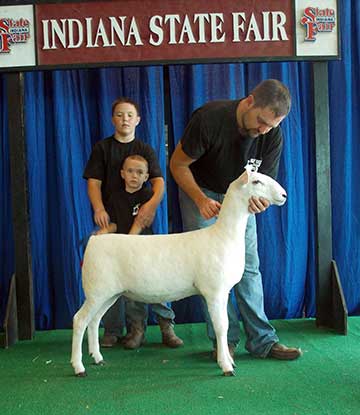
(135, 229)
(147, 211)
(111, 228)
(101, 217)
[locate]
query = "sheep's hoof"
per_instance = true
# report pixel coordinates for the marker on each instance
(231, 373)
(81, 374)
(101, 363)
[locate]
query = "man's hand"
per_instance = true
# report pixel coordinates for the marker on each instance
(258, 205)
(208, 208)
(101, 218)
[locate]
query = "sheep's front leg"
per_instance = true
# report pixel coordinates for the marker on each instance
(218, 313)
(93, 332)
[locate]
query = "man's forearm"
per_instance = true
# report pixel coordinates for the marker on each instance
(185, 180)
(180, 168)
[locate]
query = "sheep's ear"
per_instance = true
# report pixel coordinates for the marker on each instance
(245, 177)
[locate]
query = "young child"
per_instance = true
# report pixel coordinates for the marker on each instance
(124, 205)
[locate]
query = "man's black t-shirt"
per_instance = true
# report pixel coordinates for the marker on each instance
(213, 139)
(106, 160)
(124, 206)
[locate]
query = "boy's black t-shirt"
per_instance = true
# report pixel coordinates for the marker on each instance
(212, 138)
(124, 206)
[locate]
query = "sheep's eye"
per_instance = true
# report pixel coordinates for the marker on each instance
(257, 182)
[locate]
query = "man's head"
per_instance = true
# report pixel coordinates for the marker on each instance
(125, 118)
(264, 108)
(134, 171)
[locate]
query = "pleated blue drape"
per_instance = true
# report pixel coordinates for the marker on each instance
(68, 111)
(283, 250)
(345, 155)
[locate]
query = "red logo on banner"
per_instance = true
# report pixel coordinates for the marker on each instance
(13, 31)
(317, 20)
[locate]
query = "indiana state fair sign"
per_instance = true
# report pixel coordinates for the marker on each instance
(74, 34)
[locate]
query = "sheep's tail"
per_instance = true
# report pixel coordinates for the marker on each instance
(82, 244)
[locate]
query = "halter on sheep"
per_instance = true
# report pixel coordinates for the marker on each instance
(208, 262)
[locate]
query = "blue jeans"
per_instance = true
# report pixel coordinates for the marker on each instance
(260, 334)
(125, 310)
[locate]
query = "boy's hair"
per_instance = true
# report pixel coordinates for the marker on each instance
(273, 94)
(124, 100)
(136, 157)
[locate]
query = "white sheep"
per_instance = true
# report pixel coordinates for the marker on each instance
(158, 268)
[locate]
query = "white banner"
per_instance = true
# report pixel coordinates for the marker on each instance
(316, 28)
(17, 37)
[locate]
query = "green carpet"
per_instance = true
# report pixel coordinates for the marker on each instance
(36, 377)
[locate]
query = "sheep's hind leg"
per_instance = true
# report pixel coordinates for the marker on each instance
(80, 322)
(93, 332)
(218, 314)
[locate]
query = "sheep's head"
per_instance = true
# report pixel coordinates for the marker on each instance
(260, 185)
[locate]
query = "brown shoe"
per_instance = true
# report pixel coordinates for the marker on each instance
(169, 338)
(136, 337)
(109, 340)
(232, 349)
(281, 352)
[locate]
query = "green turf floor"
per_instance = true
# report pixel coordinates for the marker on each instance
(36, 377)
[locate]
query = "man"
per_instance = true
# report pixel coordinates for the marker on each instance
(219, 140)
(102, 173)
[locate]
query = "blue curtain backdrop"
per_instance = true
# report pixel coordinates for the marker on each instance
(345, 155)
(283, 250)
(68, 111)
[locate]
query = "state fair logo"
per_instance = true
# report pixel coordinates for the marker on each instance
(12, 32)
(316, 20)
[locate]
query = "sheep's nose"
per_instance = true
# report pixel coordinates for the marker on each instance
(284, 195)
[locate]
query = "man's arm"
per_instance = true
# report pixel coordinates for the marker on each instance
(147, 210)
(179, 167)
(258, 205)
(269, 166)
(101, 217)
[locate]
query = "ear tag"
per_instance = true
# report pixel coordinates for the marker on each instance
(253, 165)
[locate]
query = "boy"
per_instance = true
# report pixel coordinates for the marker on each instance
(124, 204)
